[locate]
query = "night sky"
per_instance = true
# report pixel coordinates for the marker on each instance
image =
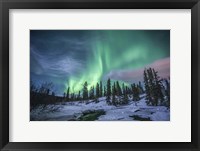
(71, 57)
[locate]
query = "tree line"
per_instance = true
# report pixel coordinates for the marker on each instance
(155, 90)
(115, 93)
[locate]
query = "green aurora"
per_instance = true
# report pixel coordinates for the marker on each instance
(100, 52)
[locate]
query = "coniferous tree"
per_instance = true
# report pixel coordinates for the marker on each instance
(125, 95)
(97, 91)
(108, 93)
(123, 88)
(136, 93)
(100, 89)
(126, 89)
(113, 94)
(67, 96)
(119, 91)
(147, 88)
(79, 95)
(72, 97)
(92, 92)
(129, 91)
(85, 91)
(167, 92)
(152, 87)
(158, 87)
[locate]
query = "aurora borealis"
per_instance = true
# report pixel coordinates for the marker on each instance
(68, 58)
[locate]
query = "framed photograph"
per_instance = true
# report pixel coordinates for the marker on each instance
(99, 75)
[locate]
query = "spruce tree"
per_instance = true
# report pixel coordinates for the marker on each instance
(136, 93)
(72, 96)
(125, 98)
(137, 90)
(113, 94)
(167, 92)
(158, 87)
(85, 91)
(100, 89)
(123, 88)
(147, 88)
(67, 96)
(97, 91)
(153, 88)
(108, 93)
(79, 95)
(92, 92)
(119, 91)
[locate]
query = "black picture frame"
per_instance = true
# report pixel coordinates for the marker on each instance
(5, 5)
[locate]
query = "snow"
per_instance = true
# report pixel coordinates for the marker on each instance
(73, 110)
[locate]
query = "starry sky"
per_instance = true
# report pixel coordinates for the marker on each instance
(71, 57)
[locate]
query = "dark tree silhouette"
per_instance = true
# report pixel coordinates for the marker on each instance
(113, 94)
(167, 92)
(125, 95)
(147, 88)
(92, 92)
(67, 96)
(135, 92)
(123, 89)
(100, 89)
(119, 91)
(79, 95)
(108, 94)
(85, 91)
(158, 88)
(97, 91)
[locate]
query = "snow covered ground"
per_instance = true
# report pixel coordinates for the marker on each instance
(133, 111)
